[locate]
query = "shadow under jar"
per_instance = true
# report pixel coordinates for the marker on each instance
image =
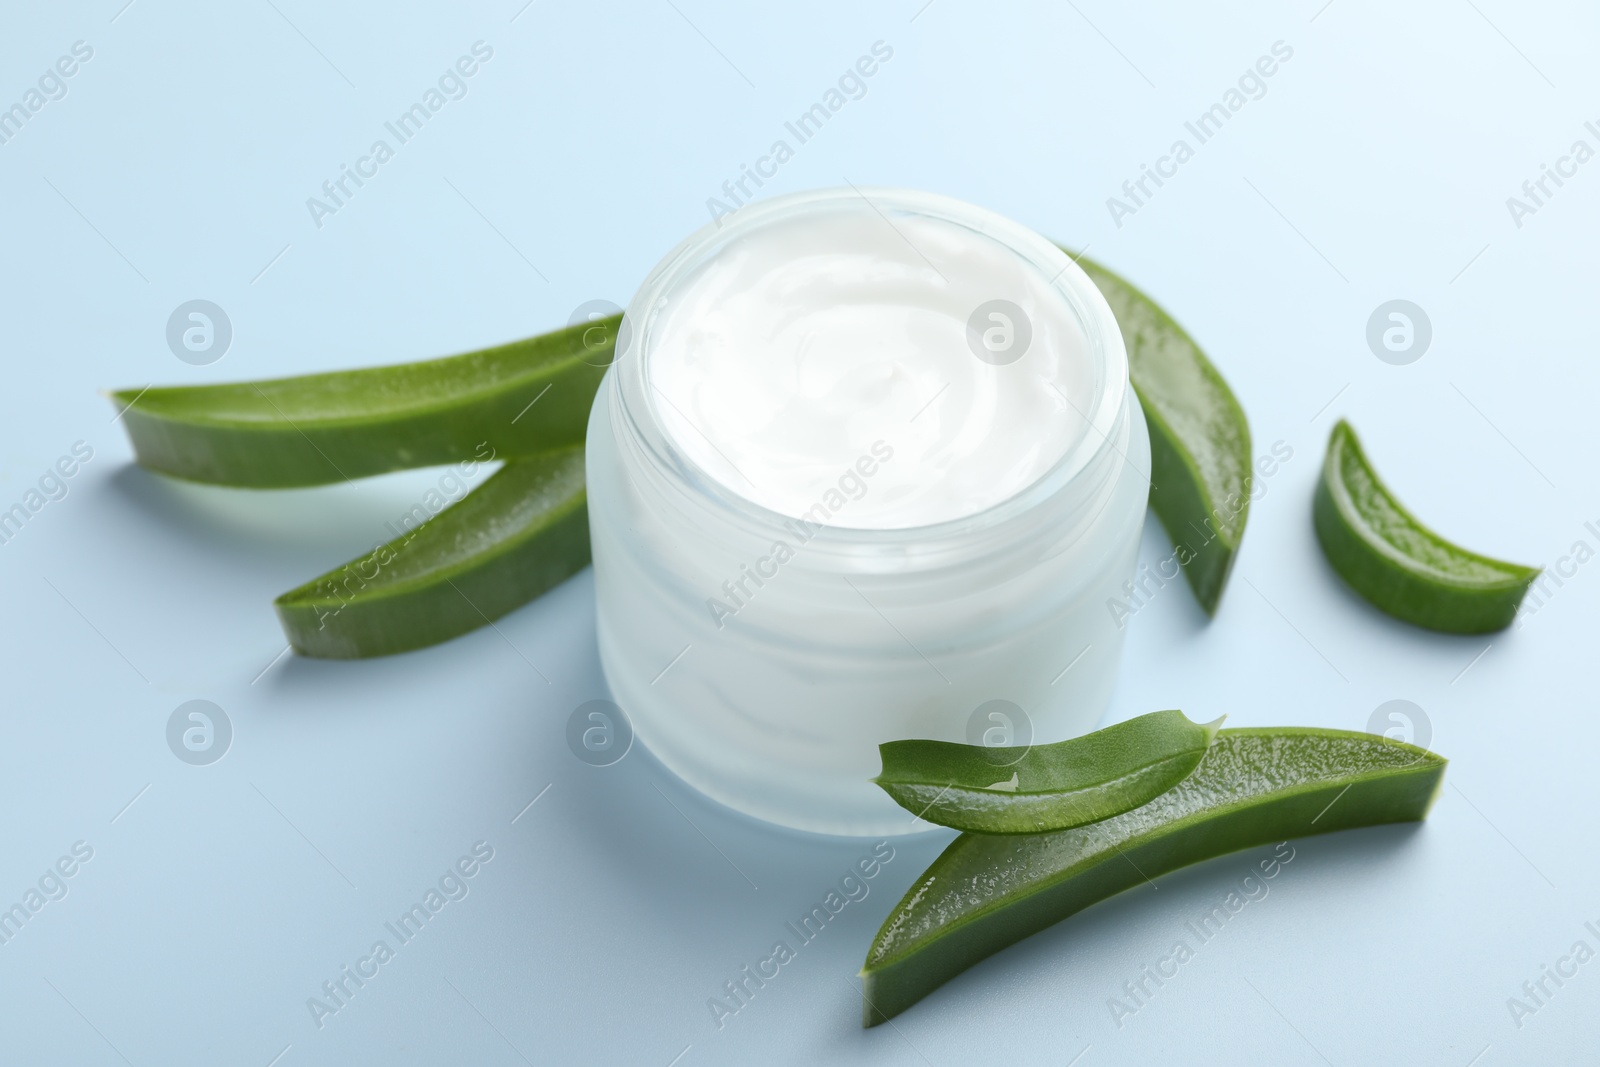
(867, 467)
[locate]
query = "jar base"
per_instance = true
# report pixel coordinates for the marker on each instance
(853, 807)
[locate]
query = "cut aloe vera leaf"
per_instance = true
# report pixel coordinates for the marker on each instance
(517, 399)
(1252, 787)
(1398, 564)
(1044, 787)
(1199, 438)
(522, 531)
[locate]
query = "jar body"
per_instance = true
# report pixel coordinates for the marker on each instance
(764, 658)
(778, 710)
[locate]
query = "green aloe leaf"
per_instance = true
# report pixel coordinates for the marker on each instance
(1199, 438)
(522, 531)
(1398, 564)
(1252, 787)
(519, 399)
(1044, 787)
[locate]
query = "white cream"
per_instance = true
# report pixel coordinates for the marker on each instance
(785, 358)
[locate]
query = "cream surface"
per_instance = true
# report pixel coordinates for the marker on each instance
(822, 367)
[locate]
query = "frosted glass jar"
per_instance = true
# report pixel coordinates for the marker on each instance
(763, 658)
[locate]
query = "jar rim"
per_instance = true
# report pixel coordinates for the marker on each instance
(642, 416)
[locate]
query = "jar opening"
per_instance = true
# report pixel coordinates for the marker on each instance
(876, 362)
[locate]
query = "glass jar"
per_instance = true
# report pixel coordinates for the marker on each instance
(991, 628)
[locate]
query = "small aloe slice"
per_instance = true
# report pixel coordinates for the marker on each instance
(1252, 787)
(525, 529)
(520, 399)
(1199, 438)
(1050, 787)
(1400, 565)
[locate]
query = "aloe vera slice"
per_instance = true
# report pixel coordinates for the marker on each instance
(1252, 787)
(1400, 565)
(519, 399)
(522, 531)
(1044, 787)
(1199, 437)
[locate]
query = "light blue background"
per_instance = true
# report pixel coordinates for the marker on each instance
(1377, 166)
